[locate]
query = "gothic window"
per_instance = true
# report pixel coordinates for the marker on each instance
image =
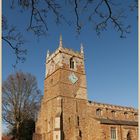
(98, 112)
(125, 115)
(113, 133)
(69, 119)
(78, 120)
(46, 124)
(80, 133)
(135, 116)
(113, 113)
(71, 63)
(129, 136)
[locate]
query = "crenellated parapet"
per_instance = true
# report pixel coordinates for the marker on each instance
(116, 107)
(67, 51)
(112, 111)
(63, 58)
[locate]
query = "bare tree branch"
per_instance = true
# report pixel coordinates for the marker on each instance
(77, 16)
(38, 19)
(14, 40)
(101, 14)
(35, 14)
(109, 17)
(133, 5)
(55, 8)
(17, 50)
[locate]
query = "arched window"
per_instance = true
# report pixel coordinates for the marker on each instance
(78, 120)
(69, 119)
(71, 63)
(80, 133)
(113, 113)
(98, 112)
(129, 136)
(125, 115)
(135, 116)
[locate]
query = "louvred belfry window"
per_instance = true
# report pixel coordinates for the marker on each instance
(71, 63)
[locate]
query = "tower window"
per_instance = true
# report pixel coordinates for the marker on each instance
(113, 133)
(129, 136)
(71, 63)
(69, 119)
(80, 133)
(78, 120)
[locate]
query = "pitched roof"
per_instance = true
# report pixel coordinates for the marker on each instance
(117, 122)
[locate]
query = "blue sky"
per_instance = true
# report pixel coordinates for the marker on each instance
(111, 62)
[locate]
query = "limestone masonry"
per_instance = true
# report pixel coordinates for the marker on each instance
(66, 113)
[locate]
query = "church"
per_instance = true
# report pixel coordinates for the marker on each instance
(67, 114)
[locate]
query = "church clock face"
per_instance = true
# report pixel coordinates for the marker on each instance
(73, 78)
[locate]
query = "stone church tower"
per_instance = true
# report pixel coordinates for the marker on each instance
(66, 113)
(65, 94)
